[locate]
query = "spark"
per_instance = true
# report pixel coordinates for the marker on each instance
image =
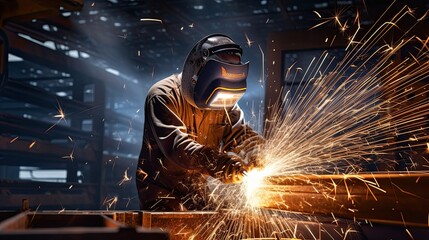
(129, 199)
(167, 197)
(191, 25)
(338, 115)
(70, 156)
(156, 175)
(34, 214)
(16, 138)
(352, 40)
(161, 163)
(180, 231)
(61, 211)
(31, 144)
(424, 45)
(248, 41)
(349, 230)
(320, 24)
(70, 187)
(141, 172)
(409, 233)
(335, 219)
(150, 20)
(156, 203)
(126, 178)
(61, 115)
(262, 66)
(318, 14)
(406, 192)
(110, 202)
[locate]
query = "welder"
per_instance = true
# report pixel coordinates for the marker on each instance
(194, 129)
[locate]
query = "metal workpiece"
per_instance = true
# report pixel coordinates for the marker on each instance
(71, 225)
(386, 198)
(225, 224)
(196, 225)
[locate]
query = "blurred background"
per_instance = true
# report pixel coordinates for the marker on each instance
(74, 76)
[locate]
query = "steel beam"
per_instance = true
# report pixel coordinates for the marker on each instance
(27, 93)
(387, 198)
(84, 69)
(74, 225)
(4, 47)
(24, 9)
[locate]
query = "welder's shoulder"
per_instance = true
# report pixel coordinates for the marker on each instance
(166, 88)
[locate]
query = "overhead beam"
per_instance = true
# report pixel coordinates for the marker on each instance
(80, 69)
(4, 46)
(24, 10)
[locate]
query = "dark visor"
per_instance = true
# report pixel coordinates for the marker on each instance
(221, 81)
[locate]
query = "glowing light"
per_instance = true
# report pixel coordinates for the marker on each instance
(61, 115)
(253, 181)
(126, 178)
(111, 202)
(318, 14)
(70, 156)
(16, 138)
(248, 41)
(32, 145)
(225, 98)
(143, 173)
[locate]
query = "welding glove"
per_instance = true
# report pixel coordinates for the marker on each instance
(233, 171)
(249, 150)
(227, 168)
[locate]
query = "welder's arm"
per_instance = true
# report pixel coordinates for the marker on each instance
(179, 147)
(243, 140)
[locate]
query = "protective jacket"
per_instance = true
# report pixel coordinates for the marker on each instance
(182, 146)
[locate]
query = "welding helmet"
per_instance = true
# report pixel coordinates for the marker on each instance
(213, 75)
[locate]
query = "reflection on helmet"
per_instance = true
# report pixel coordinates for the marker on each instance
(213, 76)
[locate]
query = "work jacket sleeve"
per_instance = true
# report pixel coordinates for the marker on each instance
(176, 144)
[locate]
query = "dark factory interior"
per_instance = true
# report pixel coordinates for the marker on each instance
(74, 75)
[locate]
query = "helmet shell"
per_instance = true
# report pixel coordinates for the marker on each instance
(203, 50)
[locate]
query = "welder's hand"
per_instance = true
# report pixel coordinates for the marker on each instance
(233, 172)
(230, 169)
(249, 151)
(253, 161)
